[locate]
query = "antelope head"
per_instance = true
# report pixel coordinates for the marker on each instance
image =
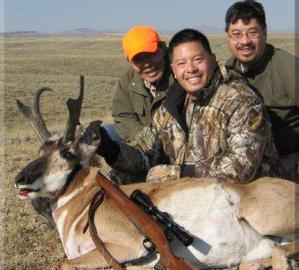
(46, 176)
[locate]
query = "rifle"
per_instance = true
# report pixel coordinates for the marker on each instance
(145, 224)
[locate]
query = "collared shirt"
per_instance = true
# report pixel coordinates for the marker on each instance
(151, 88)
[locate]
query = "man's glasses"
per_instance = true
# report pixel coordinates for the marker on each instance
(252, 34)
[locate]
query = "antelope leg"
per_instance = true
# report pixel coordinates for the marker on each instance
(281, 253)
(279, 260)
(89, 260)
(256, 265)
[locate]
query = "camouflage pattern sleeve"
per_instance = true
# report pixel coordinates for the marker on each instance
(163, 173)
(131, 160)
(248, 132)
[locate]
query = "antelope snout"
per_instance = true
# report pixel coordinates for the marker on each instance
(33, 171)
(23, 178)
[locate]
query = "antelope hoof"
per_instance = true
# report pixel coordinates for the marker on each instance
(251, 266)
(66, 266)
(280, 260)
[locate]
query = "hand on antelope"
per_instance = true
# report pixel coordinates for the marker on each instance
(96, 140)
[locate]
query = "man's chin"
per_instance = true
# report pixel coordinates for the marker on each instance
(154, 78)
(246, 58)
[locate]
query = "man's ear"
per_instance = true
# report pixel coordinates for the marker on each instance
(162, 45)
(266, 32)
(173, 72)
(214, 58)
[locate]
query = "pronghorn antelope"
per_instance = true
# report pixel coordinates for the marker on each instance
(231, 223)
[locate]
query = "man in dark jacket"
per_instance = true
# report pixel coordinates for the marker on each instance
(270, 71)
(142, 88)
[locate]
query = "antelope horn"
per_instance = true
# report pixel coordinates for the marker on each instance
(74, 108)
(35, 117)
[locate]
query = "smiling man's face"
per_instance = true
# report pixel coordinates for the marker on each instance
(247, 40)
(150, 66)
(193, 66)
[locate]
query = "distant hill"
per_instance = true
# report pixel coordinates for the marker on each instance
(24, 34)
(87, 32)
(80, 32)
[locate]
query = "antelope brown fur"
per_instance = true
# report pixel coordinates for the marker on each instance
(253, 224)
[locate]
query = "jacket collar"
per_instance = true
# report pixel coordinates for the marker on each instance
(256, 68)
(205, 94)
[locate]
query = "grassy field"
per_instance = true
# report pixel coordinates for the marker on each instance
(30, 63)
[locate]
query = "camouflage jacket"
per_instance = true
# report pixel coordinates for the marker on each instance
(229, 136)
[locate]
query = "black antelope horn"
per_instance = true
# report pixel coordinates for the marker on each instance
(74, 108)
(35, 117)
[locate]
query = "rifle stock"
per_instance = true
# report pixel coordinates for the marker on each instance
(145, 224)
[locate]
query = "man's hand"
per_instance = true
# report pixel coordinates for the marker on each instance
(92, 134)
(96, 140)
(89, 142)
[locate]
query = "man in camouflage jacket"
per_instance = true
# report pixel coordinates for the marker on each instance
(210, 124)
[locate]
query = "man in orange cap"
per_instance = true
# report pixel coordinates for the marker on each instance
(142, 88)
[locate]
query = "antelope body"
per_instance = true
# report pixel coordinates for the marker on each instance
(230, 223)
(220, 217)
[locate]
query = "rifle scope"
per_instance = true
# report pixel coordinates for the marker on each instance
(162, 218)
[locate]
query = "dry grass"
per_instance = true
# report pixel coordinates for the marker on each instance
(55, 62)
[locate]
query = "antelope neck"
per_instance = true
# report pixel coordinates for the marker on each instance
(70, 178)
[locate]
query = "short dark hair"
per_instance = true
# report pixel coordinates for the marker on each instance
(188, 35)
(245, 10)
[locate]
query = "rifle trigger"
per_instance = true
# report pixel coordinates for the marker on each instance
(159, 267)
(148, 245)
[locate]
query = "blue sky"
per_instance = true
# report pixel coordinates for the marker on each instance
(120, 15)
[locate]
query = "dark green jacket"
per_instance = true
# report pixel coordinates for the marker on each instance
(133, 106)
(273, 77)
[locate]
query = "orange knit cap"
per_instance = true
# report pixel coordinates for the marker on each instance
(140, 39)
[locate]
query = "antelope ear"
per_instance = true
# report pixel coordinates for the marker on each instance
(78, 132)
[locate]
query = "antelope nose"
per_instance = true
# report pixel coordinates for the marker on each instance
(21, 178)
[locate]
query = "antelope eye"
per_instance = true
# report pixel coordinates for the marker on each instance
(67, 154)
